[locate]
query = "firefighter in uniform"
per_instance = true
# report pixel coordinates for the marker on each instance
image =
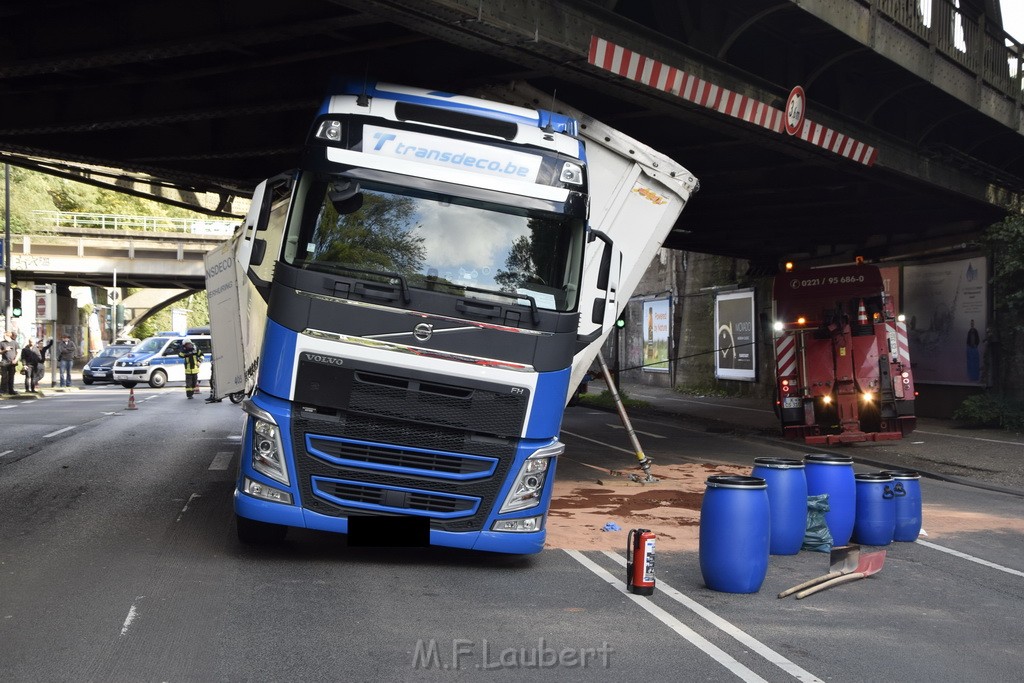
(192, 360)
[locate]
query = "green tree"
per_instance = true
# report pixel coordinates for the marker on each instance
(32, 191)
(532, 258)
(161, 320)
(377, 235)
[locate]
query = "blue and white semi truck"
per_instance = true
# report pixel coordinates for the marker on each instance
(411, 309)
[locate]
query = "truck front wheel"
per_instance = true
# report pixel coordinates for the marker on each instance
(252, 532)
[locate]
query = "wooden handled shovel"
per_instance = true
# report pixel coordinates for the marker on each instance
(870, 563)
(842, 560)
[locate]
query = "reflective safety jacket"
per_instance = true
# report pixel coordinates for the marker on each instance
(192, 359)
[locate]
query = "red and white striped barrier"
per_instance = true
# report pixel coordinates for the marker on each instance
(785, 354)
(652, 73)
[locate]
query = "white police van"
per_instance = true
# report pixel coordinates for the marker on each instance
(156, 361)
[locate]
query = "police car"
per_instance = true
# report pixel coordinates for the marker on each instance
(155, 360)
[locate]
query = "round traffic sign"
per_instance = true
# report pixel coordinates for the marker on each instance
(796, 109)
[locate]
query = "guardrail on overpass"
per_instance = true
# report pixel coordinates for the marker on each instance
(57, 221)
(88, 248)
(979, 46)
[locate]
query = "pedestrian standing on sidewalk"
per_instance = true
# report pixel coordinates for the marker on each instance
(42, 349)
(192, 357)
(30, 362)
(8, 361)
(66, 353)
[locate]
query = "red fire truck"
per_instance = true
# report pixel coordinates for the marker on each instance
(841, 355)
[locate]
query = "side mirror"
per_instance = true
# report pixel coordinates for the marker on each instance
(345, 197)
(259, 250)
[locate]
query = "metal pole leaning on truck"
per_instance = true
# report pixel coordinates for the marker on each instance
(645, 463)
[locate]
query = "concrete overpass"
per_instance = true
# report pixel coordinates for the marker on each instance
(95, 249)
(912, 140)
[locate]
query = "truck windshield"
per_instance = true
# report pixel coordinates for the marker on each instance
(435, 242)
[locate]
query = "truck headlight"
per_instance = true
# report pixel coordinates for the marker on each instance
(528, 486)
(329, 130)
(267, 449)
(571, 173)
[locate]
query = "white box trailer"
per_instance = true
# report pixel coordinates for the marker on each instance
(636, 197)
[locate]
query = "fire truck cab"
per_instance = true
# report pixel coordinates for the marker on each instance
(843, 370)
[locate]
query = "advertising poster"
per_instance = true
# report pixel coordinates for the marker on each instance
(735, 350)
(946, 305)
(657, 330)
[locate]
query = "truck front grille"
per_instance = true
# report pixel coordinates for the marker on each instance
(456, 488)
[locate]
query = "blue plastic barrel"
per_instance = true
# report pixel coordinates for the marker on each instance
(907, 490)
(787, 501)
(876, 509)
(734, 533)
(833, 474)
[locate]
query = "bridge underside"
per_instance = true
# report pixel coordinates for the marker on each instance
(202, 99)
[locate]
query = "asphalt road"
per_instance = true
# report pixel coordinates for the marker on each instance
(118, 562)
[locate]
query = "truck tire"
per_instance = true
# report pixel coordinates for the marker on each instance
(158, 379)
(252, 532)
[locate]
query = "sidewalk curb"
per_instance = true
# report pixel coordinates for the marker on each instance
(756, 434)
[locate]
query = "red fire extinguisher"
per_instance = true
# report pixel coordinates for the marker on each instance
(640, 561)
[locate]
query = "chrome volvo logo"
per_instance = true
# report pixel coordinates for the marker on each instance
(423, 332)
(322, 359)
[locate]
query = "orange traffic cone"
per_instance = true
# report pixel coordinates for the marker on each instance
(862, 314)
(131, 399)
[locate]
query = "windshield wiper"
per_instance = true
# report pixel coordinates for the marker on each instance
(366, 289)
(493, 292)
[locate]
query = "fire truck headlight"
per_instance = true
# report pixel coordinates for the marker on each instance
(778, 326)
(528, 487)
(267, 449)
(901, 318)
(826, 399)
(868, 397)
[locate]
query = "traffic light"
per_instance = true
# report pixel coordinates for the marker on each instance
(15, 303)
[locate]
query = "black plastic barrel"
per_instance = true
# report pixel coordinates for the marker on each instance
(907, 490)
(876, 509)
(787, 501)
(734, 533)
(833, 474)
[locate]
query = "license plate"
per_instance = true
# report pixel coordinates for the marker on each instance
(99, 374)
(791, 402)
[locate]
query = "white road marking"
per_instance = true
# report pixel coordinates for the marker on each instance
(59, 431)
(221, 460)
(187, 503)
(969, 438)
(706, 403)
(727, 627)
(132, 613)
(697, 640)
(5, 453)
(600, 443)
(650, 434)
(972, 558)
